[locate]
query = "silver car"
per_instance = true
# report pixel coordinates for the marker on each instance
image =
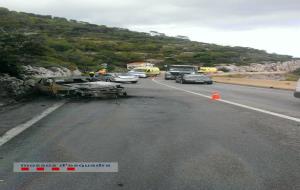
(124, 78)
(138, 72)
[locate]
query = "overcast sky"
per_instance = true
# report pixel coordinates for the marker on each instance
(272, 25)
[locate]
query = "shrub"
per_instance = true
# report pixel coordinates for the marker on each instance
(224, 69)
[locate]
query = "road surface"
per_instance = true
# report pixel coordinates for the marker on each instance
(165, 138)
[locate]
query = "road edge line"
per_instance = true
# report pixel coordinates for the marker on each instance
(235, 104)
(8, 135)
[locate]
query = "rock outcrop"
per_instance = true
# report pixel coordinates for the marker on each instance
(12, 88)
(40, 72)
(288, 66)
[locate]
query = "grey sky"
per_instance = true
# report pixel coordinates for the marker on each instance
(227, 18)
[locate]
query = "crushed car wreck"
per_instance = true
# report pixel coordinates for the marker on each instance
(79, 87)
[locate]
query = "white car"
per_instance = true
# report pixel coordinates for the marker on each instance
(124, 78)
(138, 72)
(297, 91)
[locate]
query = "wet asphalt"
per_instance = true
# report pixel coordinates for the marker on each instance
(163, 138)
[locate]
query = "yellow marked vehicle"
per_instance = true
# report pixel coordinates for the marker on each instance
(148, 71)
(208, 70)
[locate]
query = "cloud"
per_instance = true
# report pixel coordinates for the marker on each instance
(274, 40)
(265, 24)
(230, 14)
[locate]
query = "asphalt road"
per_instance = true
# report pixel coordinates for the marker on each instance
(164, 138)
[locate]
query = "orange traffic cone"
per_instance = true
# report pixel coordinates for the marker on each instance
(215, 96)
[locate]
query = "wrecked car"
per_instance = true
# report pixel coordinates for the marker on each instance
(79, 87)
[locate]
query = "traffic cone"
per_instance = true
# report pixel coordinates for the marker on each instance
(215, 96)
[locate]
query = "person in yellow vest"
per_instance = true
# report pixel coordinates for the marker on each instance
(91, 74)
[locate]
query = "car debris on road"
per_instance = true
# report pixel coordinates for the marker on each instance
(79, 87)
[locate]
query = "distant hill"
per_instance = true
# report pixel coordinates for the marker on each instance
(45, 40)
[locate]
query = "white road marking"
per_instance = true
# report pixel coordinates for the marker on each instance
(234, 103)
(22, 127)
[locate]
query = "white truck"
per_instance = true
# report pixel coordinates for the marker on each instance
(297, 91)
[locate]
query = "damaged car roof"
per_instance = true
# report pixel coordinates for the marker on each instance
(79, 86)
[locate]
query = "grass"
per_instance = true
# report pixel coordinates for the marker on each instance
(292, 77)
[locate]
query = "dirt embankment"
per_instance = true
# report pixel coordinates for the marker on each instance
(286, 85)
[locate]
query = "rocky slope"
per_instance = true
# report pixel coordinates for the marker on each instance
(12, 88)
(287, 66)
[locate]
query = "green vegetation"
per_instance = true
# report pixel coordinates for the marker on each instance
(297, 72)
(224, 69)
(17, 49)
(44, 40)
(293, 76)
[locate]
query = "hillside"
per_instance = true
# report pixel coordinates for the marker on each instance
(44, 40)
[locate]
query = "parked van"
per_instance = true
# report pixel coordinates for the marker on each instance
(297, 91)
